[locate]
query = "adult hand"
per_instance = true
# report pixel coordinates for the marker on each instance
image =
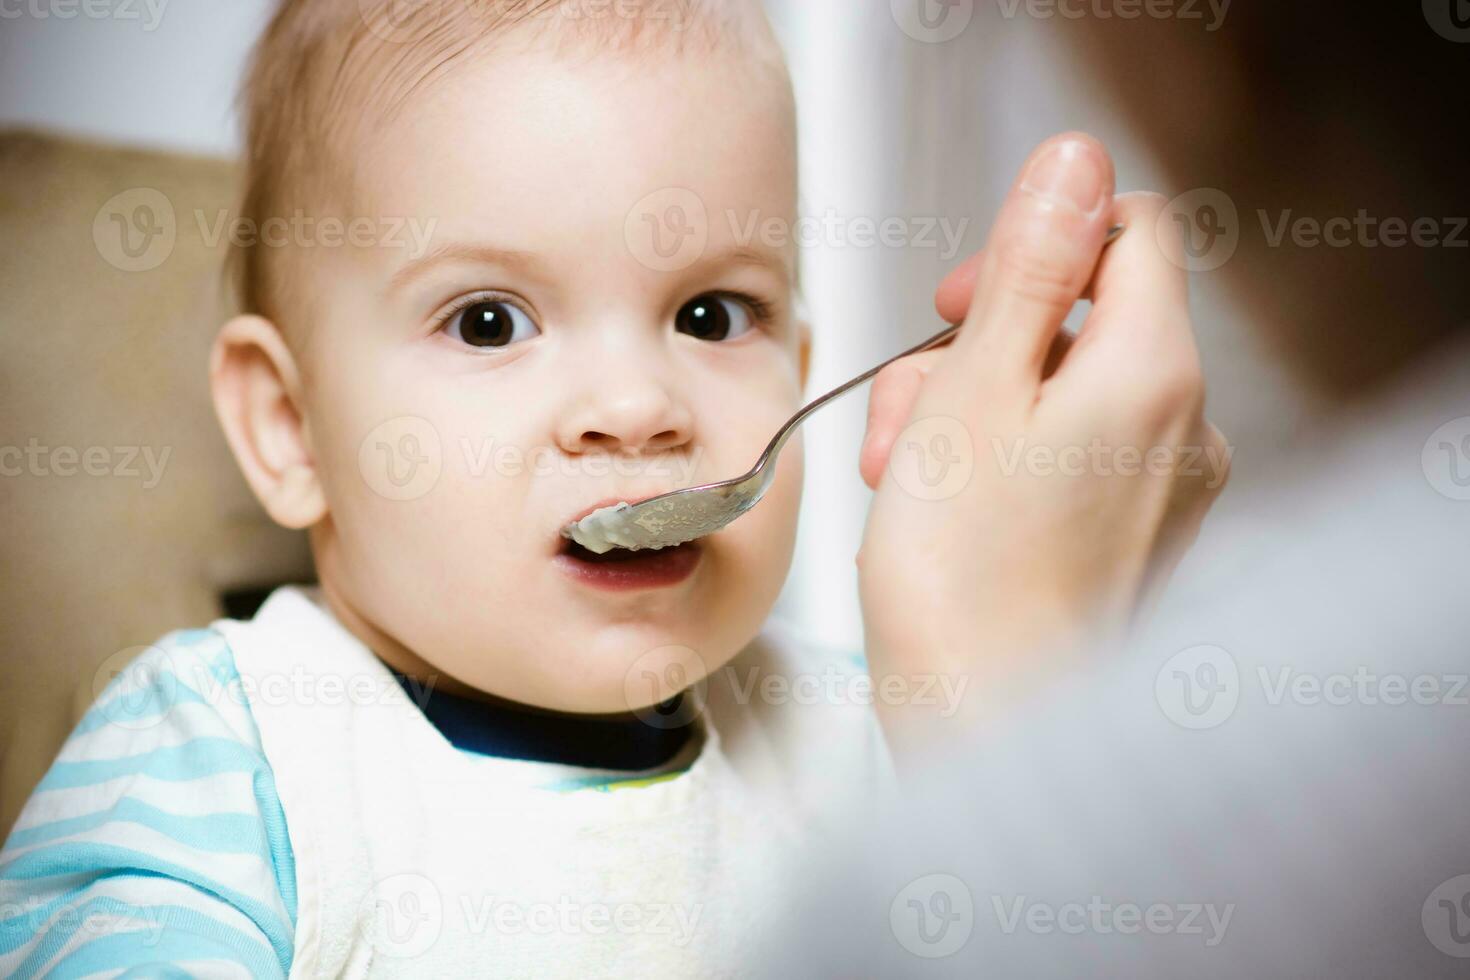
(1033, 493)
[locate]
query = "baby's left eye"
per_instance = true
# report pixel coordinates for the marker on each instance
(713, 317)
(491, 324)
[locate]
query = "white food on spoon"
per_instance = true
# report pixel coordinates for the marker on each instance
(599, 532)
(659, 523)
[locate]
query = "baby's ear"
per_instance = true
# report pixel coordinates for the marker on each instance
(256, 387)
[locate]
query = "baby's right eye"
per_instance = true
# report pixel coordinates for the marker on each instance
(489, 324)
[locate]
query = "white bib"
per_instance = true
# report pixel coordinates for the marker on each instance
(416, 859)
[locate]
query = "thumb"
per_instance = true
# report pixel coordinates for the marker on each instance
(890, 403)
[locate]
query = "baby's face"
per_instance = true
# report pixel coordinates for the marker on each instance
(546, 356)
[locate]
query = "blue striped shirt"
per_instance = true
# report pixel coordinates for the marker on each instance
(156, 844)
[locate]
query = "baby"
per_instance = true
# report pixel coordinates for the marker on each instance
(478, 749)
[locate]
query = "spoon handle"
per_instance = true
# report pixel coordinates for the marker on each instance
(938, 340)
(943, 337)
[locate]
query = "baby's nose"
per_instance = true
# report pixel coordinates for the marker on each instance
(641, 417)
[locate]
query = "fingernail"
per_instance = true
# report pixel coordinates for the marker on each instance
(1067, 173)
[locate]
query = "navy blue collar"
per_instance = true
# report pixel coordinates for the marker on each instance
(509, 731)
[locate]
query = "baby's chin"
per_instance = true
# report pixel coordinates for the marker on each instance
(613, 669)
(541, 634)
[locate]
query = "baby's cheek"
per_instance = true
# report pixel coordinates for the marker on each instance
(787, 490)
(760, 544)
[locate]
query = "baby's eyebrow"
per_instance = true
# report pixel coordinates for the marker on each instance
(526, 263)
(746, 255)
(509, 258)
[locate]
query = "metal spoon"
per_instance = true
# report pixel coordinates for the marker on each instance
(694, 512)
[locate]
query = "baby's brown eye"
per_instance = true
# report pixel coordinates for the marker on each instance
(713, 317)
(493, 323)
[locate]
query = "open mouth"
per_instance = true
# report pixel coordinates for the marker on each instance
(622, 570)
(572, 549)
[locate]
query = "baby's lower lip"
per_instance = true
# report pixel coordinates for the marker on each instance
(623, 572)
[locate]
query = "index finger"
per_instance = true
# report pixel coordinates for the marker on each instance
(1140, 307)
(952, 300)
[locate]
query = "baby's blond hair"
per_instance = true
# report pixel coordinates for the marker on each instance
(326, 72)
